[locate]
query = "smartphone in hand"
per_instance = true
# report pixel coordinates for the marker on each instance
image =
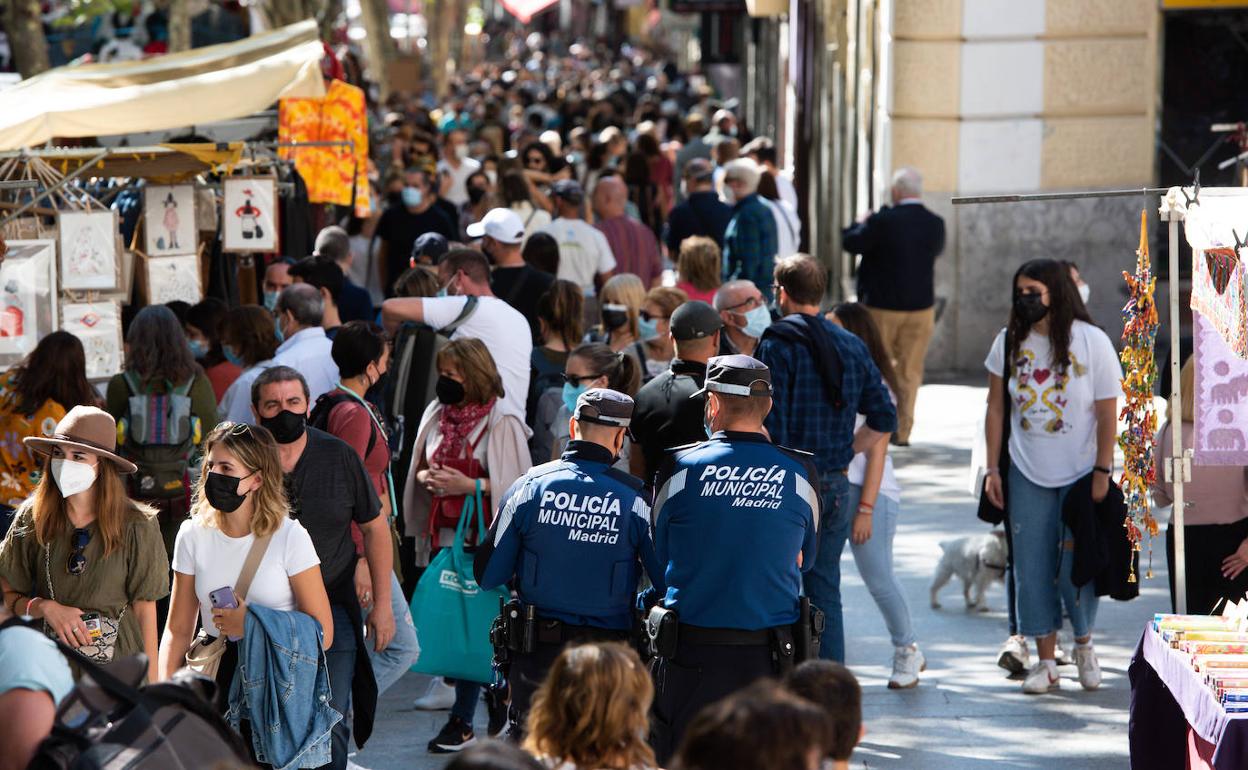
(223, 599)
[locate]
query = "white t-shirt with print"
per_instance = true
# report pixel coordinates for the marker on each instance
(1053, 419)
(505, 332)
(215, 560)
(583, 252)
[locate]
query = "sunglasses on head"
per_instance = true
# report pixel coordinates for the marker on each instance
(77, 559)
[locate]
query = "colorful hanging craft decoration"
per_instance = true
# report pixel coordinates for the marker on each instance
(1139, 334)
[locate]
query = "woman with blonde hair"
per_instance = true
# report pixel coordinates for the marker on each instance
(656, 325)
(699, 268)
(591, 712)
(465, 443)
(619, 316)
(79, 546)
(239, 499)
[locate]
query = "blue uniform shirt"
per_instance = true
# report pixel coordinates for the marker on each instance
(731, 516)
(572, 532)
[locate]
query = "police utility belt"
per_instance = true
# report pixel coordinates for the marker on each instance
(790, 645)
(518, 629)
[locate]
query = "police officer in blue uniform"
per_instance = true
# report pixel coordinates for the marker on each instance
(735, 521)
(574, 533)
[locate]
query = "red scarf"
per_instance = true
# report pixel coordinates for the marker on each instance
(456, 423)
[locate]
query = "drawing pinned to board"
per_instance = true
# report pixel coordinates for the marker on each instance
(169, 220)
(250, 214)
(27, 298)
(173, 278)
(98, 325)
(88, 250)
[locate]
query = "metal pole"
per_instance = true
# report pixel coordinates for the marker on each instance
(82, 170)
(1171, 213)
(1060, 196)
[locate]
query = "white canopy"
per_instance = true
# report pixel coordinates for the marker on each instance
(203, 85)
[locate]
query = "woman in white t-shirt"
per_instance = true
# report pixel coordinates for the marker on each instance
(239, 497)
(1064, 378)
(592, 712)
(875, 498)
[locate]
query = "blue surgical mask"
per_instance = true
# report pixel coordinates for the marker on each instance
(198, 348)
(412, 197)
(649, 328)
(270, 301)
(231, 356)
(277, 328)
(757, 321)
(706, 421)
(571, 393)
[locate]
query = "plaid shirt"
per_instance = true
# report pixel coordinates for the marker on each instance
(802, 417)
(750, 244)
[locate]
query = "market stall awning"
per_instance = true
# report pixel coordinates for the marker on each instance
(203, 85)
(165, 163)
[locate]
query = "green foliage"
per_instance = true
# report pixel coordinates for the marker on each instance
(81, 12)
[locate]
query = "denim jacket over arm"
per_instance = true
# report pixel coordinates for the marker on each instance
(282, 688)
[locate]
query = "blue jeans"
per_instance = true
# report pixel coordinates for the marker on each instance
(466, 696)
(340, 660)
(823, 581)
(875, 563)
(1043, 559)
(392, 663)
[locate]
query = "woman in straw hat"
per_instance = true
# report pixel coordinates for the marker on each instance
(82, 556)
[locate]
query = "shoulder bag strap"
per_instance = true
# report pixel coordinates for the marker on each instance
(254, 557)
(469, 308)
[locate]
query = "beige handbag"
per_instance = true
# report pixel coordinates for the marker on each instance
(204, 656)
(100, 650)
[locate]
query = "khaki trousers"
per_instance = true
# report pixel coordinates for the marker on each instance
(906, 334)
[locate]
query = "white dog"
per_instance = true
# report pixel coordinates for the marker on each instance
(979, 560)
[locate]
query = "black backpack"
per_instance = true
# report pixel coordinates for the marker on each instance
(108, 722)
(325, 403)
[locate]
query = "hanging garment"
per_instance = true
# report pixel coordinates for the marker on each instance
(333, 174)
(1221, 398)
(1217, 228)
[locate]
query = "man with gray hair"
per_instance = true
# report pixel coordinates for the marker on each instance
(899, 245)
(304, 346)
(750, 242)
(354, 303)
(745, 314)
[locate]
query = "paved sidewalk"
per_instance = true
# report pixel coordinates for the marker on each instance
(965, 714)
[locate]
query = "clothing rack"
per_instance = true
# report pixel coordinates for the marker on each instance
(1178, 466)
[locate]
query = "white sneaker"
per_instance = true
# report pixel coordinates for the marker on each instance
(439, 697)
(1040, 680)
(1014, 656)
(1060, 655)
(908, 661)
(1089, 668)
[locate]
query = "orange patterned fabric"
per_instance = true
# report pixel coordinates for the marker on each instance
(329, 171)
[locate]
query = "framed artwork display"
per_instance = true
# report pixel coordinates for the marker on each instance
(173, 278)
(28, 298)
(88, 250)
(169, 220)
(249, 214)
(98, 325)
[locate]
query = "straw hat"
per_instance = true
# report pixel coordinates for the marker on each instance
(85, 427)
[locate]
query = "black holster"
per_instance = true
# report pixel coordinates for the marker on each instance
(662, 631)
(783, 649)
(807, 631)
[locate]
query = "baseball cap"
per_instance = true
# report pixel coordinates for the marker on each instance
(503, 225)
(431, 245)
(736, 375)
(695, 320)
(699, 170)
(605, 407)
(568, 189)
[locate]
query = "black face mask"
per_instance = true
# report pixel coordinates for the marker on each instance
(286, 426)
(449, 391)
(222, 491)
(614, 319)
(475, 194)
(1030, 307)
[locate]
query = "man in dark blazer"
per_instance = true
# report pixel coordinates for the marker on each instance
(899, 245)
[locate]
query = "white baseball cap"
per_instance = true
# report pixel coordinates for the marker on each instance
(503, 225)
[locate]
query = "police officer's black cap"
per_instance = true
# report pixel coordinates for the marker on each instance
(695, 320)
(604, 407)
(737, 375)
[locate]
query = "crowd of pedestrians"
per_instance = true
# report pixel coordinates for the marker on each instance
(587, 293)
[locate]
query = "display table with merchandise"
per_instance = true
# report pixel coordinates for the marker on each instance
(1178, 720)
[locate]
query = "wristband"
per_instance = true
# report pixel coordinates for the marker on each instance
(29, 603)
(992, 471)
(1102, 469)
(866, 509)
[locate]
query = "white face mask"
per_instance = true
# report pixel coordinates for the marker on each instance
(1085, 291)
(72, 477)
(461, 151)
